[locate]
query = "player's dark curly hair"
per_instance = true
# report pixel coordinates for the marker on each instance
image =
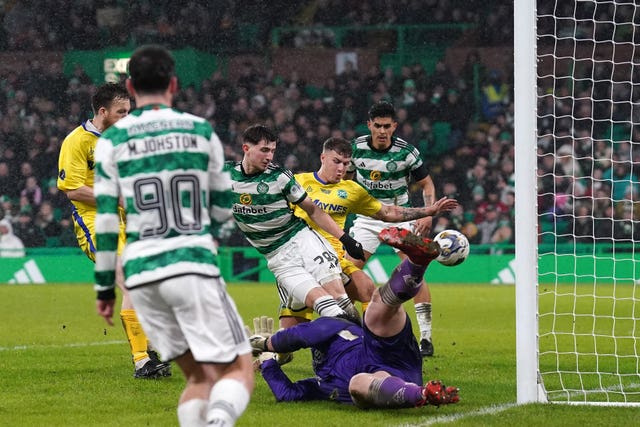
(151, 68)
(256, 133)
(382, 109)
(106, 94)
(339, 145)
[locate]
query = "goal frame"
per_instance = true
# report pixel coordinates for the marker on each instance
(526, 246)
(530, 387)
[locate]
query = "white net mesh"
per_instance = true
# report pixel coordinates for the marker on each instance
(589, 200)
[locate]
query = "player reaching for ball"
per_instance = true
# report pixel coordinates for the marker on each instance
(339, 198)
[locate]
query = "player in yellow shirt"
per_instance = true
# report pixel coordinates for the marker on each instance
(339, 198)
(110, 103)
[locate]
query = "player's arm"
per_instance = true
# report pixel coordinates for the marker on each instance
(72, 165)
(392, 213)
(82, 194)
(305, 335)
(324, 221)
(220, 195)
(423, 225)
(286, 391)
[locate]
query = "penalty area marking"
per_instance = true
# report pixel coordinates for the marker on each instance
(43, 346)
(443, 419)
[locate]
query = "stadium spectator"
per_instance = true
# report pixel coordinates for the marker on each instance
(46, 221)
(375, 366)
(625, 227)
(496, 95)
(8, 181)
(623, 179)
(55, 113)
(402, 163)
(473, 71)
(26, 171)
(43, 156)
(581, 224)
(67, 237)
(449, 172)
(503, 232)
(408, 96)
(8, 209)
(10, 245)
(456, 112)
(491, 200)
(58, 200)
(28, 231)
(184, 305)
(76, 178)
(476, 180)
(441, 76)
(488, 225)
(32, 192)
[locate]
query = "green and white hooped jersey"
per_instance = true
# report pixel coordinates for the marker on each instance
(168, 167)
(385, 174)
(261, 206)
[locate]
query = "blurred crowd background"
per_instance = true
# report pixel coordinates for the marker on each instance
(461, 121)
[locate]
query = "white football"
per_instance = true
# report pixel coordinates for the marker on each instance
(454, 247)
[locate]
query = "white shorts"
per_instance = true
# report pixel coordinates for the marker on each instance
(191, 312)
(305, 262)
(365, 230)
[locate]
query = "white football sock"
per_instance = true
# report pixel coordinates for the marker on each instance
(192, 413)
(228, 400)
(423, 315)
(327, 306)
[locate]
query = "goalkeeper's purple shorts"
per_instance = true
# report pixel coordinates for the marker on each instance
(399, 355)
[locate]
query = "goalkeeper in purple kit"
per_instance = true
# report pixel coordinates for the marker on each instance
(377, 365)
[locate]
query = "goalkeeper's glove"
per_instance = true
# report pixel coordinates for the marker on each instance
(352, 246)
(262, 330)
(263, 357)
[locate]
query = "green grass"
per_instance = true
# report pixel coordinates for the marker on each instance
(60, 365)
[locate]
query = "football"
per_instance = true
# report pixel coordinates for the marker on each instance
(454, 247)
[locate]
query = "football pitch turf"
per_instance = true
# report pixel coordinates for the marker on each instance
(61, 365)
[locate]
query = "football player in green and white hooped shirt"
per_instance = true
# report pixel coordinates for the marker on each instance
(167, 167)
(304, 264)
(384, 164)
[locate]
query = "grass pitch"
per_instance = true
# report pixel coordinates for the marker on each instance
(61, 365)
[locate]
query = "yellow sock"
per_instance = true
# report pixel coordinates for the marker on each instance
(136, 336)
(364, 306)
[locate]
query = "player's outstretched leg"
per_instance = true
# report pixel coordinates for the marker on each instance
(420, 250)
(406, 279)
(380, 390)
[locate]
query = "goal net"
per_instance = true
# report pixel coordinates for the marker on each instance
(577, 108)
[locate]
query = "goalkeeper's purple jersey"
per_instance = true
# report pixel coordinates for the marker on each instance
(340, 350)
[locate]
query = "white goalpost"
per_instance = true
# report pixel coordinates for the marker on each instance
(577, 168)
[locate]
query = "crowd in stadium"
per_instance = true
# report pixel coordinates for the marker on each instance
(224, 24)
(476, 163)
(40, 107)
